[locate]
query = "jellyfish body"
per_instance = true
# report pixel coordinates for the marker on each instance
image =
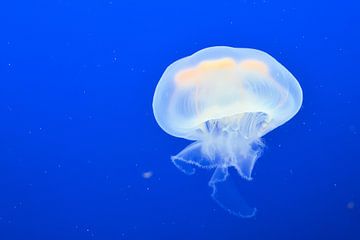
(225, 100)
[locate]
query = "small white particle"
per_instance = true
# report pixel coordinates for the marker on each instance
(147, 174)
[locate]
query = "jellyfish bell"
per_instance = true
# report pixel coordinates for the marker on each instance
(225, 100)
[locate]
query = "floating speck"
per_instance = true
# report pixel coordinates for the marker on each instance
(147, 174)
(350, 205)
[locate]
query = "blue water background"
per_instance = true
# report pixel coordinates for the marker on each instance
(77, 131)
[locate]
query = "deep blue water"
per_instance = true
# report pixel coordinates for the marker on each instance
(77, 131)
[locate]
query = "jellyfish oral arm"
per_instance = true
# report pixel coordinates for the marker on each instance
(226, 143)
(226, 194)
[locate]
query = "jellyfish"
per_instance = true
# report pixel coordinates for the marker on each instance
(225, 100)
